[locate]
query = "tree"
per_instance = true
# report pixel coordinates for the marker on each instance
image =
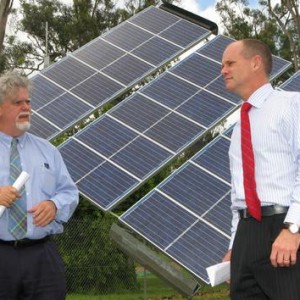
(278, 25)
(5, 10)
(69, 27)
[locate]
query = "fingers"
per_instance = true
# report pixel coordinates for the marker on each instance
(43, 213)
(8, 195)
(285, 249)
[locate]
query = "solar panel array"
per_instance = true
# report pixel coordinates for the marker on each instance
(143, 133)
(188, 215)
(73, 88)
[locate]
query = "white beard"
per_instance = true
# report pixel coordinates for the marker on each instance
(24, 126)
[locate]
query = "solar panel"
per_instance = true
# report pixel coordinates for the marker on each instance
(199, 192)
(216, 47)
(189, 72)
(108, 66)
(292, 84)
(148, 129)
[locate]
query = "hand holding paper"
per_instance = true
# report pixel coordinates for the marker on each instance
(20, 181)
(219, 273)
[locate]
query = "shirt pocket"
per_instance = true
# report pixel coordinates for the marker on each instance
(48, 182)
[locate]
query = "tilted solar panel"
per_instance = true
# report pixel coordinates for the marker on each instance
(292, 84)
(108, 66)
(196, 195)
(148, 129)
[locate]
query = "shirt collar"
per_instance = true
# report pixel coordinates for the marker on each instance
(6, 139)
(260, 95)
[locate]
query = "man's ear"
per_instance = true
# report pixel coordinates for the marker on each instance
(256, 62)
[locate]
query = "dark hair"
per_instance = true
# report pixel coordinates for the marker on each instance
(254, 47)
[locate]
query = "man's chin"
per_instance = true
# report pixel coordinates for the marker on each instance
(23, 126)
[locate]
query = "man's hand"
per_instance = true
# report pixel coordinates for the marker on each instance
(285, 248)
(8, 195)
(43, 213)
(227, 257)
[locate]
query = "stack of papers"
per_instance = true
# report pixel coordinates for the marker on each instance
(219, 273)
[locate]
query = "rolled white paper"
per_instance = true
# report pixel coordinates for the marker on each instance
(20, 181)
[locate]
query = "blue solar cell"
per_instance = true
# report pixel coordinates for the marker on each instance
(155, 20)
(158, 219)
(97, 89)
(205, 108)
(184, 33)
(139, 112)
(156, 51)
(41, 127)
(106, 136)
(214, 157)
(128, 69)
(127, 36)
(292, 84)
(43, 91)
(105, 185)
(194, 188)
(64, 110)
(82, 159)
(98, 53)
(169, 90)
(174, 132)
(199, 248)
(218, 87)
(279, 66)
(214, 49)
(220, 215)
(141, 157)
(198, 70)
(228, 132)
(68, 72)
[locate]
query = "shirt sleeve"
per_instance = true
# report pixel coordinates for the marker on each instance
(66, 195)
(293, 129)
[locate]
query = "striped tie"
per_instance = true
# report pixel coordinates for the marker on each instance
(17, 223)
(252, 200)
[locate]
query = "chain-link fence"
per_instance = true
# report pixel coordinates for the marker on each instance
(94, 264)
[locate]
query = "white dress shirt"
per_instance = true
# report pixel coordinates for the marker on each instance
(275, 132)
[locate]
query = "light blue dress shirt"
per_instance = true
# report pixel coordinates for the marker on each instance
(49, 180)
(275, 132)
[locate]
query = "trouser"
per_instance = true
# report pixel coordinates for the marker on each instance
(252, 275)
(31, 272)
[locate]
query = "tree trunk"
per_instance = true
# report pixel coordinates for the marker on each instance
(5, 8)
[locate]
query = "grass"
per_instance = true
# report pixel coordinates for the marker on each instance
(156, 289)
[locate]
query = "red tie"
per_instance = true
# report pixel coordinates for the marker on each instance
(252, 200)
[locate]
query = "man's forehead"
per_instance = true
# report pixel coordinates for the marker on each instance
(17, 97)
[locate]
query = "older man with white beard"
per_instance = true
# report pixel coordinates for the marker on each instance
(30, 265)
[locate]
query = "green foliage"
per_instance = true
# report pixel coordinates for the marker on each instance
(276, 25)
(94, 264)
